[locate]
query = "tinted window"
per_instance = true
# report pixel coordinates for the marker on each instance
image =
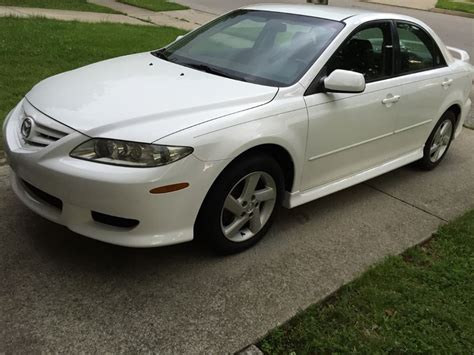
(368, 51)
(418, 50)
(263, 47)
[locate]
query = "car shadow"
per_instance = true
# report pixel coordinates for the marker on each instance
(57, 243)
(63, 247)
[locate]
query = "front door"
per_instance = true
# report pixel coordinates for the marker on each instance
(349, 133)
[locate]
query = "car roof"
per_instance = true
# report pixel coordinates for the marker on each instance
(321, 11)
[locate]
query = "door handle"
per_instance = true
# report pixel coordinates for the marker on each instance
(390, 99)
(447, 82)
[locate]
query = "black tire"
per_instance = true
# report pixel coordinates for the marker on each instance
(208, 225)
(427, 162)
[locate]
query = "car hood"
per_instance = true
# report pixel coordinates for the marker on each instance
(142, 98)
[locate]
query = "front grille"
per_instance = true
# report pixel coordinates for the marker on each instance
(42, 130)
(42, 136)
(43, 196)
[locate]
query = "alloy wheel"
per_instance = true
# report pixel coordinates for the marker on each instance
(441, 141)
(248, 206)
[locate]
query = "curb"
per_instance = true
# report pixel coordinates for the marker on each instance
(452, 12)
(250, 350)
(437, 10)
(3, 159)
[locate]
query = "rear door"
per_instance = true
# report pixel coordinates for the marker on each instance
(426, 81)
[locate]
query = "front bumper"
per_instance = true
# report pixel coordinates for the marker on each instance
(84, 188)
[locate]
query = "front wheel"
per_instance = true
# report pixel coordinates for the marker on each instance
(240, 206)
(439, 141)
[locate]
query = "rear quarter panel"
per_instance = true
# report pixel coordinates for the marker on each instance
(459, 91)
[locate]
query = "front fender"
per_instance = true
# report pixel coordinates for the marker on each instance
(282, 122)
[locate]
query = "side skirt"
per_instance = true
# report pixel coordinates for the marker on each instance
(297, 198)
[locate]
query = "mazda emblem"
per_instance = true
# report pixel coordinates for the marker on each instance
(26, 127)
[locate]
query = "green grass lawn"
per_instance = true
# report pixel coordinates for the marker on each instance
(155, 5)
(467, 6)
(76, 5)
(33, 49)
(419, 302)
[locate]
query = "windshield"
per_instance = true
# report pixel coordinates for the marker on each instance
(261, 47)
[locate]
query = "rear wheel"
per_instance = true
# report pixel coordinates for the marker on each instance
(240, 206)
(439, 141)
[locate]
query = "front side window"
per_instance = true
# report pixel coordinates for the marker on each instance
(261, 47)
(369, 51)
(418, 51)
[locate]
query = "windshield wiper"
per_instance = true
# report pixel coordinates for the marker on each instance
(160, 54)
(211, 70)
(202, 67)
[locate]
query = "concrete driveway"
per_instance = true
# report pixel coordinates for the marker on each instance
(62, 292)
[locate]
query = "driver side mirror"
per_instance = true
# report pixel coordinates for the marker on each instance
(178, 38)
(344, 81)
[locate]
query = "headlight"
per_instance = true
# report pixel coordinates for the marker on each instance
(116, 152)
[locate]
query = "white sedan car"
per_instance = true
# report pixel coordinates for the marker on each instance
(267, 105)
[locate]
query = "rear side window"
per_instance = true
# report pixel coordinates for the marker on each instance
(418, 51)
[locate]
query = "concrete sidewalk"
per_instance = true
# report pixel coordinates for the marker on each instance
(66, 15)
(183, 19)
(62, 292)
(425, 5)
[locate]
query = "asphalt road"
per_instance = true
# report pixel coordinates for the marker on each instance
(455, 31)
(65, 293)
